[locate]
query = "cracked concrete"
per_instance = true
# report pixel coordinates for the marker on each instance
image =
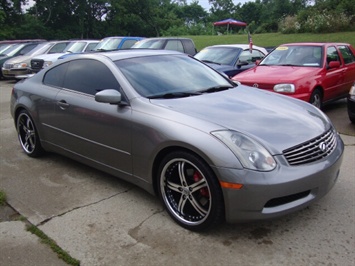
(101, 220)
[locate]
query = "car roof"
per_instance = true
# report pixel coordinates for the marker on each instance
(123, 37)
(124, 54)
(314, 43)
(165, 38)
(242, 46)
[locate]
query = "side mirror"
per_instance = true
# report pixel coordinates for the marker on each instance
(334, 64)
(257, 62)
(108, 96)
(243, 63)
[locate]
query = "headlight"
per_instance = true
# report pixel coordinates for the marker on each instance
(20, 65)
(290, 88)
(251, 154)
(47, 63)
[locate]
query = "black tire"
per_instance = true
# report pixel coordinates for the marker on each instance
(190, 191)
(27, 135)
(316, 98)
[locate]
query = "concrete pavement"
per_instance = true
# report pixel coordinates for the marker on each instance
(101, 220)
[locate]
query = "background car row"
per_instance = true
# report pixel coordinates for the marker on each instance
(19, 60)
(318, 73)
(38, 55)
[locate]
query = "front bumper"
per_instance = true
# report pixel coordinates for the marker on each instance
(282, 191)
(14, 73)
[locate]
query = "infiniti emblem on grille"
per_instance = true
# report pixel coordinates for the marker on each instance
(322, 146)
(256, 85)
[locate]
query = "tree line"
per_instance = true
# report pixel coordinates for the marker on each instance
(95, 19)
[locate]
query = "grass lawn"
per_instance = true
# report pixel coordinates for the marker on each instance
(272, 39)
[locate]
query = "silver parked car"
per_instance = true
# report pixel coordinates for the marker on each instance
(20, 66)
(213, 150)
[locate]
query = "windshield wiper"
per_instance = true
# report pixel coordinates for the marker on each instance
(216, 89)
(210, 62)
(171, 95)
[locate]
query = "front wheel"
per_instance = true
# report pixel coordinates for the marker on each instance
(190, 191)
(28, 135)
(316, 98)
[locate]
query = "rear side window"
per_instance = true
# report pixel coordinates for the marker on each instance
(128, 44)
(189, 47)
(174, 45)
(89, 76)
(58, 48)
(348, 56)
(55, 76)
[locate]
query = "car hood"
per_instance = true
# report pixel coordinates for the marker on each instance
(19, 59)
(277, 121)
(48, 57)
(276, 74)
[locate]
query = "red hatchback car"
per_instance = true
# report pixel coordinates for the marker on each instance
(314, 72)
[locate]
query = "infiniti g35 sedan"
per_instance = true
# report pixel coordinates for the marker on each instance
(211, 149)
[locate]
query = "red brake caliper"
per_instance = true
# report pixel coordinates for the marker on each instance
(203, 191)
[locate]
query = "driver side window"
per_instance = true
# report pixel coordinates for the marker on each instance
(89, 76)
(332, 54)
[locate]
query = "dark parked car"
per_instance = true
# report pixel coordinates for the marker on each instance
(184, 45)
(231, 59)
(211, 149)
(317, 73)
(351, 104)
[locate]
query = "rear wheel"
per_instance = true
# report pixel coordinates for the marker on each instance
(28, 135)
(190, 191)
(316, 98)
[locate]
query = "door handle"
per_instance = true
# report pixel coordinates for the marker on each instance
(63, 104)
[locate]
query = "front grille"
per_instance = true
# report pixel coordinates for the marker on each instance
(8, 66)
(37, 64)
(263, 86)
(312, 150)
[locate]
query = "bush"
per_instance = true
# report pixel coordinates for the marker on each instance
(289, 24)
(316, 22)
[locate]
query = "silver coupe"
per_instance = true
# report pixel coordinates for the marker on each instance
(212, 150)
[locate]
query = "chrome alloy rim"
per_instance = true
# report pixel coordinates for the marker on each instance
(185, 192)
(26, 133)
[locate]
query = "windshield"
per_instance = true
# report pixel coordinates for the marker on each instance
(10, 51)
(295, 55)
(108, 44)
(5, 48)
(170, 75)
(220, 55)
(154, 44)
